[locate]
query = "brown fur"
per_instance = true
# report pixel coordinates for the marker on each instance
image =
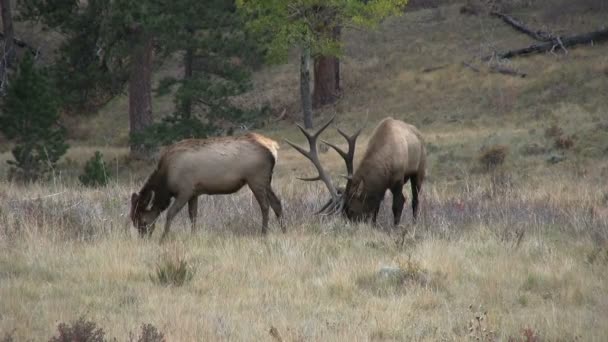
(192, 167)
(394, 155)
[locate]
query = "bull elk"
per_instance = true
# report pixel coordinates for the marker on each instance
(194, 167)
(394, 155)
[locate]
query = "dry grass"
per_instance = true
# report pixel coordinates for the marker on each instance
(525, 248)
(519, 256)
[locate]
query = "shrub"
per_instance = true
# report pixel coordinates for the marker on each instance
(30, 117)
(79, 331)
(563, 142)
(478, 327)
(553, 131)
(528, 335)
(149, 333)
(94, 172)
(173, 272)
(493, 156)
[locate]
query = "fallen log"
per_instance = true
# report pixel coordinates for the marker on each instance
(519, 26)
(507, 71)
(497, 69)
(563, 42)
(434, 68)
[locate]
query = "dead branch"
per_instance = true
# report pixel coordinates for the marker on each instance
(539, 35)
(498, 69)
(434, 68)
(470, 66)
(501, 69)
(585, 38)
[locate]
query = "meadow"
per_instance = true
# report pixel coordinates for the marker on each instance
(507, 250)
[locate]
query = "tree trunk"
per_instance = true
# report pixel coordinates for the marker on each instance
(327, 76)
(325, 88)
(337, 36)
(563, 42)
(8, 50)
(305, 87)
(140, 100)
(9, 33)
(186, 105)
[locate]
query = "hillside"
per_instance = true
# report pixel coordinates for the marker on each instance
(386, 73)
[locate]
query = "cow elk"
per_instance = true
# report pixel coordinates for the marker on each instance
(194, 167)
(394, 155)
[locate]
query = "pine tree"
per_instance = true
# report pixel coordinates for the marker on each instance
(95, 76)
(217, 54)
(30, 119)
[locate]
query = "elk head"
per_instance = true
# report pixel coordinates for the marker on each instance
(343, 200)
(143, 218)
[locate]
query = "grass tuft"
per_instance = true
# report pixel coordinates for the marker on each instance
(174, 271)
(391, 280)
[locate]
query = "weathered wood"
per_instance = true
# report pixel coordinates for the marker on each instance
(501, 69)
(434, 68)
(470, 66)
(519, 26)
(564, 42)
(498, 69)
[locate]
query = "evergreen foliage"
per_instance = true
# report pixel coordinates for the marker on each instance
(30, 118)
(303, 23)
(218, 56)
(85, 72)
(95, 173)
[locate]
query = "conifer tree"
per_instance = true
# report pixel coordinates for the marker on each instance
(30, 118)
(217, 56)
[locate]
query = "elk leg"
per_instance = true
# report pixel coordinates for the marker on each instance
(416, 183)
(175, 207)
(398, 202)
(375, 215)
(262, 198)
(275, 203)
(192, 212)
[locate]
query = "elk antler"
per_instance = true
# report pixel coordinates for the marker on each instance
(350, 156)
(313, 156)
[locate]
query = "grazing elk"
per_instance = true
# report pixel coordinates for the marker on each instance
(213, 166)
(394, 155)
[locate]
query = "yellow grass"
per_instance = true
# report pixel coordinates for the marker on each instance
(527, 245)
(67, 252)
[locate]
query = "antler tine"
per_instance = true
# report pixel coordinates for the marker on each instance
(313, 156)
(299, 149)
(350, 156)
(332, 207)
